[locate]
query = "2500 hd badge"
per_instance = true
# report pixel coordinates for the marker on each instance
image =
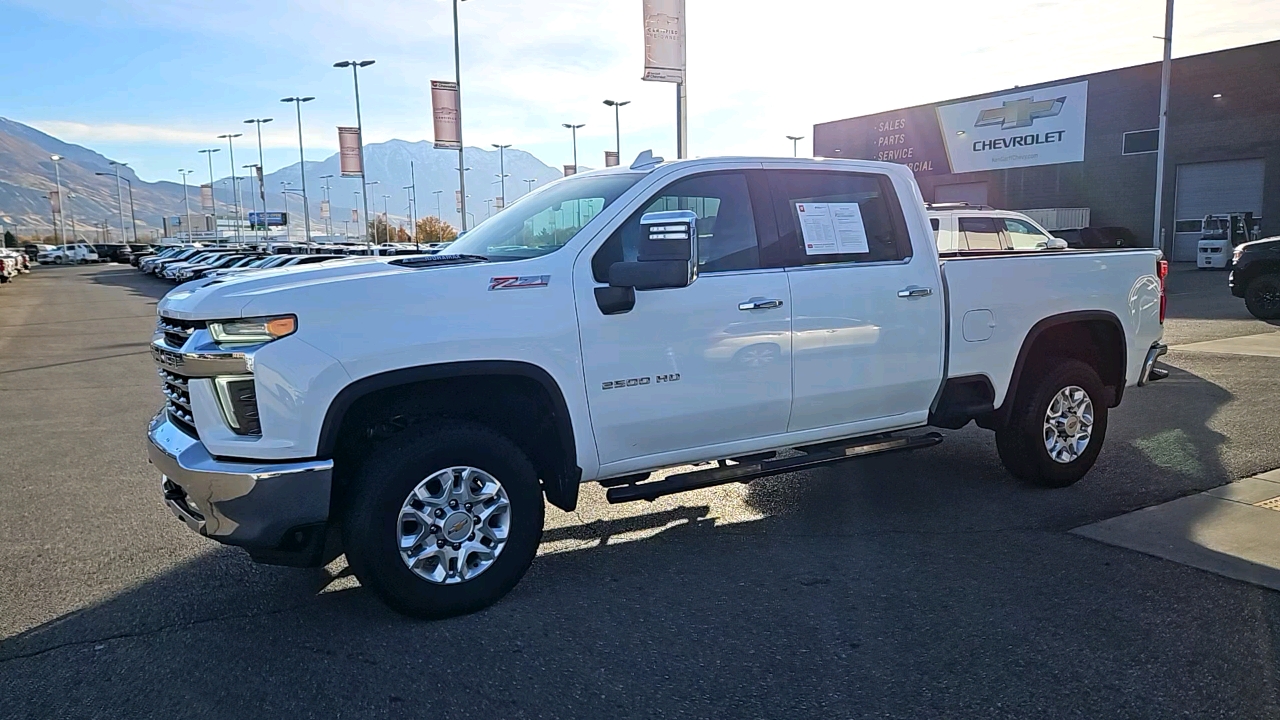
(637, 382)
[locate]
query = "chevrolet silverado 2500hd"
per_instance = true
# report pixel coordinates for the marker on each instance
(414, 412)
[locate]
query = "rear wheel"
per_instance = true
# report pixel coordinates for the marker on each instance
(1262, 297)
(1057, 426)
(444, 519)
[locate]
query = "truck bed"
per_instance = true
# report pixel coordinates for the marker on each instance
(995, 299)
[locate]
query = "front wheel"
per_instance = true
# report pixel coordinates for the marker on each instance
(1057, 427)
(444, 519)
(1262, 297)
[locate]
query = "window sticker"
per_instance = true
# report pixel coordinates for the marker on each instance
(832, 228)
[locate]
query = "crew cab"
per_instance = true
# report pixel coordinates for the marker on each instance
(962, 226)
(414, 412)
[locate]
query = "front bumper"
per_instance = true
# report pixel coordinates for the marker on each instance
(1150, 373)
(265, 507)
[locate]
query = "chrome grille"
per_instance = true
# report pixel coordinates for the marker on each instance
(177, 331)
(177, 399)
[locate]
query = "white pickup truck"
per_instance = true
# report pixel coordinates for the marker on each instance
(413, 412)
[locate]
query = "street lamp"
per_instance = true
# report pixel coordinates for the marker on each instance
(528, 185)
(57, 181)
(124, 236)
(795, 152)
(410, 195)
(284, 193)
(386, 218)
(617, 125)
(253, 204)
(213, 201)
(262, 168)
(185, 200)
(302, 161)
(457, 78)
(574, 130)
(229, 137)
(328, 221)
(437, 194)
(355, 65)
(502, 171)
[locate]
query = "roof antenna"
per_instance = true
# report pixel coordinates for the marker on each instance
(646, 161)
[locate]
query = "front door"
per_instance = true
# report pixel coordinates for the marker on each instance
(867, 316)
(699, 366)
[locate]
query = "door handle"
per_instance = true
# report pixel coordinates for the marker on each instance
(915, 292)
(760, 304)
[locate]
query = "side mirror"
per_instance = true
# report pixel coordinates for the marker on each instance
(667, 256)
(1056, 243)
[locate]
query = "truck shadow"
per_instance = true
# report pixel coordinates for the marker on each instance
(916, 585)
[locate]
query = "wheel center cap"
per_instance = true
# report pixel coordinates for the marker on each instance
(1073, 426)
(457, 527)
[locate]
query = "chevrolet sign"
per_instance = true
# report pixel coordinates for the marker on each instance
(1032, 127)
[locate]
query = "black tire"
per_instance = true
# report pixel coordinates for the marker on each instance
(1021, 442)
(1262, 297)
(372, 517)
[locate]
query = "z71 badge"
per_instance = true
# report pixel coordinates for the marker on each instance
(519, 283)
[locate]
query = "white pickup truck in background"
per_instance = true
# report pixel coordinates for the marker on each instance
(414, 412)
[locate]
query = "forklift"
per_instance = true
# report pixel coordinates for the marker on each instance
(1219, 235)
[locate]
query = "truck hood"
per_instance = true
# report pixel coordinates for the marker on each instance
(228, 296)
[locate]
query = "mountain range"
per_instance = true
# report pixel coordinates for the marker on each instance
(27, 176)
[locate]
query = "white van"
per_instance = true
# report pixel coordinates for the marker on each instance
(961, 226)
(78, 253)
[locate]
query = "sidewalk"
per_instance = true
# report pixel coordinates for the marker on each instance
(1232, 530)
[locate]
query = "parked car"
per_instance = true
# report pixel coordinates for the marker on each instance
(961, 227)
(33, 250)
(110, 252)
(1256, 277)
(417, 410)
(13, 262)
(77, 253)
(155, 265)
(197, 270)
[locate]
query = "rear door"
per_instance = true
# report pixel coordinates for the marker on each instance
(981, 233)
(866, 314)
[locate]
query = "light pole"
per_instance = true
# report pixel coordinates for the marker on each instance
(457, 78)
(617, 124)
(528, 185)
(262, 169)
(437, 194)
(133, 219)
(62, 213)
(124, 236)
(72, 217)
(1165, 67)
(413, 183)
(328, 221)
(795, 139)
(386, 218)
(185, 200)
(230, 137)
(355, 65)
(413, 211)
(208, 152)
(375, 220)
(302, 161)
(574, 130)
(502, 170)
(284, 193)
(253, 204)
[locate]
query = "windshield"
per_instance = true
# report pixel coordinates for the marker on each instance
(543, 221)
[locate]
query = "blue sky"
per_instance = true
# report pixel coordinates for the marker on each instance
(152, 81)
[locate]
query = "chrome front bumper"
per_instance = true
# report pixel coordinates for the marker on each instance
(256, 505)
(1150, 373)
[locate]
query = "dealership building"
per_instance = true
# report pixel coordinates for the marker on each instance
(1089, 142)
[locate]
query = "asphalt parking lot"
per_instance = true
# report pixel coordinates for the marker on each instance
(911, 586)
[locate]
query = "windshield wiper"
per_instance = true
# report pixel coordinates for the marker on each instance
(420, 260)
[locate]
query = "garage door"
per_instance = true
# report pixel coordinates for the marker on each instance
(1211, 189)
(974, 193)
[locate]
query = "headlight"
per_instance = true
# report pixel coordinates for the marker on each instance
(1235, 256)
(253, 330)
